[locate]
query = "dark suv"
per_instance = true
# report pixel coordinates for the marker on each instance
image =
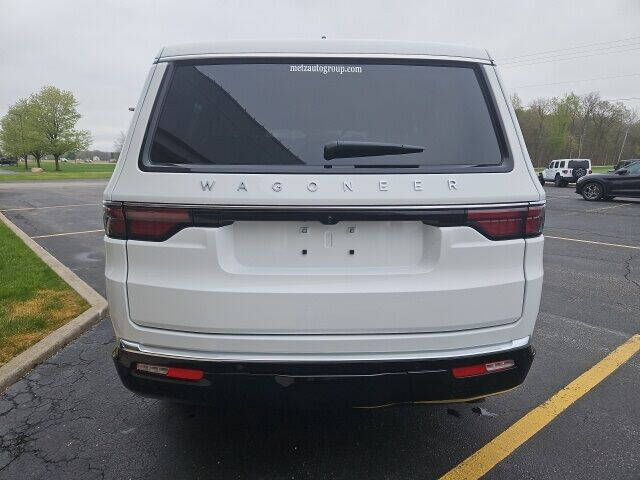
(624, 163)
(624, 182)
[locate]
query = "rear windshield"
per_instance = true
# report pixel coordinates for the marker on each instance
(282, 115)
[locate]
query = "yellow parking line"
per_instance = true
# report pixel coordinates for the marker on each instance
(591, 241)
(68, 233)
(508, 441)
(20, 209)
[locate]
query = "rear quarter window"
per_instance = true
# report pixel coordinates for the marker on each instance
(278, 115)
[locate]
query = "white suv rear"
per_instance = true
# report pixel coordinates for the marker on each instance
(566, 170)
(323, 221)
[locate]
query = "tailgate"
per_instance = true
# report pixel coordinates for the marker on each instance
(302, 276)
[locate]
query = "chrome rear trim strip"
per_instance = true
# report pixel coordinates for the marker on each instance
(330, 207)
(164, 352)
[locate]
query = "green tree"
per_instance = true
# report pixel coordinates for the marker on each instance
(35, 138)
(56, 116)
(14, 134)
(560, 121)
(516, 102)
(574, 126)
(539, 109)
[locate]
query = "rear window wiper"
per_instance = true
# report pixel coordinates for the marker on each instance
(346, 149)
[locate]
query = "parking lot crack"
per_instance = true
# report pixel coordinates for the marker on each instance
(628, 270)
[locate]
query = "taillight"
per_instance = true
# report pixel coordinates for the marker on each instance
(534, 221)
(114, 225)
(505, 223)
(155, 225)
(144, 223)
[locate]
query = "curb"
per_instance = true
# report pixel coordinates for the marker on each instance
(19, 365)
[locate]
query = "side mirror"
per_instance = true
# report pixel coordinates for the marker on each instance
(622, 171)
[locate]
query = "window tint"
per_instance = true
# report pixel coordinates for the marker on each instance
(634, 167)
(280, 115)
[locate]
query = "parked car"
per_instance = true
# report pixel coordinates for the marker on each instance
(624, 182)
(623, 164)
(8, 161)
(566, 170)
(323, 222)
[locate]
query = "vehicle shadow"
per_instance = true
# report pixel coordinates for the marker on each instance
(349, 443)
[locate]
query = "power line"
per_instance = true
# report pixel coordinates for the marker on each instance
(568, 58)
(578, 80)
(569, 48)
(609, 49)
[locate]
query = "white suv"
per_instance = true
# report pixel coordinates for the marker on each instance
(312, 222)
(565, 170)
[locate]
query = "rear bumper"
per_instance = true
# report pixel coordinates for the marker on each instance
(321, 384)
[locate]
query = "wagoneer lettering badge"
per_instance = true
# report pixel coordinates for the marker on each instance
(207, 185)
(347, 186)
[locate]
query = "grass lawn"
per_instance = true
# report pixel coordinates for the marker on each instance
(33, 299)
(68, 171)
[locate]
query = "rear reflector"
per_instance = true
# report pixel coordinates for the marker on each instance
(482, 368)
(470, 371)
(171, 372)
(185, 373)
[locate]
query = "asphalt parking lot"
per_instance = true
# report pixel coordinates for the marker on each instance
(71, 417)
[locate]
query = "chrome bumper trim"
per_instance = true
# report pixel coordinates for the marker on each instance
(164, 352)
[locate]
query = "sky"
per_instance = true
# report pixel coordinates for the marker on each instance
(101, 50)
